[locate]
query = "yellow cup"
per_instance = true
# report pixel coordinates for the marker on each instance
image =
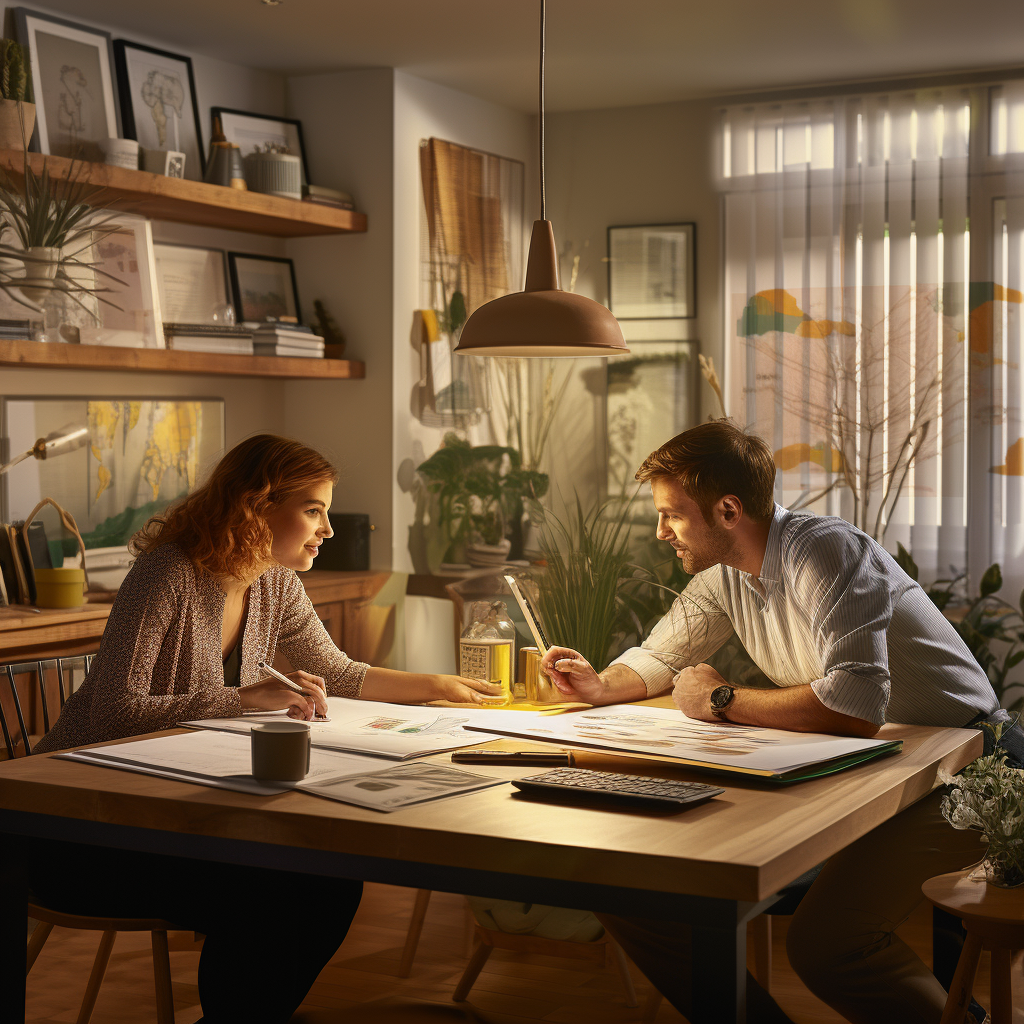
(60, 588)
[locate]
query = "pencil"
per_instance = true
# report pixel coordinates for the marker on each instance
(291, 684)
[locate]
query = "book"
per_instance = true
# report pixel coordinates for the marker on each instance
(286, 350)
(323, 192)
(207, 330)
(394, 731)
(337, 204)
(279, 327)
(224, 345)
(664, 734)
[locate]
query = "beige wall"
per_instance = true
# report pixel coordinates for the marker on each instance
(632, 165)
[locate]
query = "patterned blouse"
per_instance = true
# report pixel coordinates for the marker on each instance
(159, 661)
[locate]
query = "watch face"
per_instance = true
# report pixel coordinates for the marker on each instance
(721, 696)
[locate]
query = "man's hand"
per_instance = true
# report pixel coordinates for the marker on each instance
(692, 692)
(575, 679)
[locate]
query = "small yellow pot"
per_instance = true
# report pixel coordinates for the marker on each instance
(60, 588)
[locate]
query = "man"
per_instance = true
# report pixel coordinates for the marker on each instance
(851, 642)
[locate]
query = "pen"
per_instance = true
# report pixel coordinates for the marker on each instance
(551, 759)
(281, 678)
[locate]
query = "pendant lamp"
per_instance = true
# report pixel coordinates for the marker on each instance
(542, 320)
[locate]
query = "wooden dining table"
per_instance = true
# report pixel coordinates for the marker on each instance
(714, 866)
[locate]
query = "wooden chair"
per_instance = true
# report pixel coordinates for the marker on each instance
(994, 920)
(605, 951)
(39, 675)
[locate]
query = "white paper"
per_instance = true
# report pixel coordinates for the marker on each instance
(399, 786)
(223, 760)
(665, 732)
(396, 731)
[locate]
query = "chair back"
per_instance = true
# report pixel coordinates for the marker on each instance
(36, 691)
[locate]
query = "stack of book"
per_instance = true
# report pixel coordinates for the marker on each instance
(283, 339)
(226, 339)
(15, 330)
(323, 196)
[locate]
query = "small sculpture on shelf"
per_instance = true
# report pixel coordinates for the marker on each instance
(17, 114)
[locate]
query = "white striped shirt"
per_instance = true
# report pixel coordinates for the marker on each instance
(833, 610)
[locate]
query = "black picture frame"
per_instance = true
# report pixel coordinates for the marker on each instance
(655, 310)
(85, 149)
(128, 125)
(295, 123)
(236, 274)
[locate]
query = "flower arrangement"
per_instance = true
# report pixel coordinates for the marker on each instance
(988, 796)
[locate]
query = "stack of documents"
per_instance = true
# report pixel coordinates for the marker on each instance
(665, 734)
(278, 339)
(395, 731)
(223, 760)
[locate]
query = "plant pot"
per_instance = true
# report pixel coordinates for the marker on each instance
(17, 122)
(484, 556)
(1002, 871)
(40, 270)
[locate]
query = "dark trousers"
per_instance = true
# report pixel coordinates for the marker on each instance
(268, 933)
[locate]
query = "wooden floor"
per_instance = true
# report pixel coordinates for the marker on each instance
(361, 984)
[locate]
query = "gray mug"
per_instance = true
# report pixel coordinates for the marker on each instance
(280, 751)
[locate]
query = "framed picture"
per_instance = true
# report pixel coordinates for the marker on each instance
(158, 102)
(652, 395)
(140, 454)
(72, 78)
(124, 263)
(252, 130)
(652, 271)
(263, 287)
(192, 283)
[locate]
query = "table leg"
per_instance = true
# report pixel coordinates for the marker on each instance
(13, 925)
(720, 974)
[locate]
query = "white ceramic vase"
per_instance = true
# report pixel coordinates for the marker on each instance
(40, 270)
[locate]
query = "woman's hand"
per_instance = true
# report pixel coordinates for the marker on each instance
(463, 690)
(272, 695)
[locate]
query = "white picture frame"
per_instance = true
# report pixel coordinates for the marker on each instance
(124, 262)
(192, 282)
(652, 271)
(72, 69)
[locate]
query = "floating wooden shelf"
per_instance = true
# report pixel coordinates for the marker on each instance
(194, 202)
(36, 354)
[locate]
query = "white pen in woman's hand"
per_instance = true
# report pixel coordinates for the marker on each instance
(291, 684)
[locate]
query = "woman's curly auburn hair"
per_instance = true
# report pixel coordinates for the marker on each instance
(222, 526)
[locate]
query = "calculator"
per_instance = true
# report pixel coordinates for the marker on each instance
(638, 790)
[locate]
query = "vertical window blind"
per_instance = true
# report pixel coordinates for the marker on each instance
(856, 333)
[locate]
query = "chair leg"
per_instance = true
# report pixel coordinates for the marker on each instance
(616, 954)
(412, 938)
(472, 972)
(40, 934)
(162, 977)
(99, 967)
(651, 1005)
(963, 981)
(468, 929)
(761, 927)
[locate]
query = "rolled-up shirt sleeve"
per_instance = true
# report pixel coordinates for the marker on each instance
(848, 589)
(687, 634)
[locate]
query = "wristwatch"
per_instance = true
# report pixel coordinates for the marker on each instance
(721, 698)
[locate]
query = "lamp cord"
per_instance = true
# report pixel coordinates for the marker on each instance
(543, 192)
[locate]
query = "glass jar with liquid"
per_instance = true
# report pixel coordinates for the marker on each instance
(487, 648)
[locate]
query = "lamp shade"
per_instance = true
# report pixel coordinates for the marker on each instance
(542, 320)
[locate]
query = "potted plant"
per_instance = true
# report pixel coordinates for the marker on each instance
(988, 797)
(17, 114)
(477, 490)
(54, 224)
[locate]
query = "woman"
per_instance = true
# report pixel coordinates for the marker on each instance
(213, 593)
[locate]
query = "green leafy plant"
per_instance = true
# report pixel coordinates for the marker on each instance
(986, 625)
(478, 489)
(988, 797)
(13, 71)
